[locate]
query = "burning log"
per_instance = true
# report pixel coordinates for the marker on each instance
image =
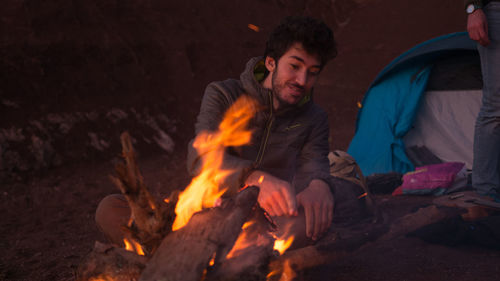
(202, 243)
(185, 254)
(249, 257)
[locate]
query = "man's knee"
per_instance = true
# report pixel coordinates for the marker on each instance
(112, 213)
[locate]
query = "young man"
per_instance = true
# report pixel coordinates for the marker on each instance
(289, 146)
(483, 25)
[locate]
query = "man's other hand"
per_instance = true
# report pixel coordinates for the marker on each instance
(276, 196)
(477, 26)
(317, 201)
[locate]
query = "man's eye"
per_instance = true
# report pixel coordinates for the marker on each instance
(294, 66)
(314, 73)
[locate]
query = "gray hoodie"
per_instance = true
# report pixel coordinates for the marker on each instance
(291, 144)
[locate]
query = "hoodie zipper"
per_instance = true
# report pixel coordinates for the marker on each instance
(269, 124)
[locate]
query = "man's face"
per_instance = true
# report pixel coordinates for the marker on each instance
(294, 75)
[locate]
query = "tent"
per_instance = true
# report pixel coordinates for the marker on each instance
(427, 98)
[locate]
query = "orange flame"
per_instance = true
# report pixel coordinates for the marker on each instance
(205, 189)
(281, 245)
(261, 179)
(272, 273)
(284, 241)
(247, 224)
(253, 27)
(212, 260)
(250, 236)
(133, 246)
(101, 278)
(362, 195)
(241, 243)
(288, 274)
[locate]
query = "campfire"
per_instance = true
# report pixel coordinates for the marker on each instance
(197, 234)
(212, 231)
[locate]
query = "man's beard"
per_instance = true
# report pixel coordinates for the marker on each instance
(278, 88)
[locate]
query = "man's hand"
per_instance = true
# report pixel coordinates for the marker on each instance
(276, 196)
(477, 26)
(317, 201)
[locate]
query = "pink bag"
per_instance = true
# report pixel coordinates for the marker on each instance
(431, 179)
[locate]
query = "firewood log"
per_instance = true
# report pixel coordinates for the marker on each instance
(185, 254)
(150, 219)
(107, 262)
(251, 254)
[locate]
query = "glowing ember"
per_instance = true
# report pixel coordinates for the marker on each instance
(362, 195)
(133, 246)
(128, 246)
(271, 274)
(247, 224)
(166, 200)
(204, 190)
(212, 260)
(253, 27)
(359, 105)
(281, 245)
(261, 179)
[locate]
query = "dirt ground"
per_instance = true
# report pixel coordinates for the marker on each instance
(47, 222)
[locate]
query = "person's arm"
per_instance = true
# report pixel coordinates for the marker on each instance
(314, 173)
(477, 25)
(216, 100)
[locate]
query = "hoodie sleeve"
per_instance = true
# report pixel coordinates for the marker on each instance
(218, 97)
(313, 159)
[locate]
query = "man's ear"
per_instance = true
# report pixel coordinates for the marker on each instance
(270, 64)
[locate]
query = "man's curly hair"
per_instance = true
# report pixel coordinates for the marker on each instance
(314, 35)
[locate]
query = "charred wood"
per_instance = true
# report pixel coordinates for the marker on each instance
(150, 219)
(107, 262)
(250, 256)
(185, 254)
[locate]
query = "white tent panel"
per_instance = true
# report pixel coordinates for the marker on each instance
(445, 124)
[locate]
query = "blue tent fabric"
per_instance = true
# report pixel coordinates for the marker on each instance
(390, 105)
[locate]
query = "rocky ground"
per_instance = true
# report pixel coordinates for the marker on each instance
(75, 74)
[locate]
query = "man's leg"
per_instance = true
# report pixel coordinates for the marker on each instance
(112, 213)
(486, 165)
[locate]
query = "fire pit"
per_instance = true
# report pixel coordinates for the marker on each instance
(195, 234)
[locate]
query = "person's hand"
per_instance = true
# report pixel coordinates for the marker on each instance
(317, 201)
(477, 26)
(276, 196)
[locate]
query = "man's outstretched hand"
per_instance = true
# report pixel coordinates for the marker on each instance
(276, 196)
(477, 26)
(317, 201)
